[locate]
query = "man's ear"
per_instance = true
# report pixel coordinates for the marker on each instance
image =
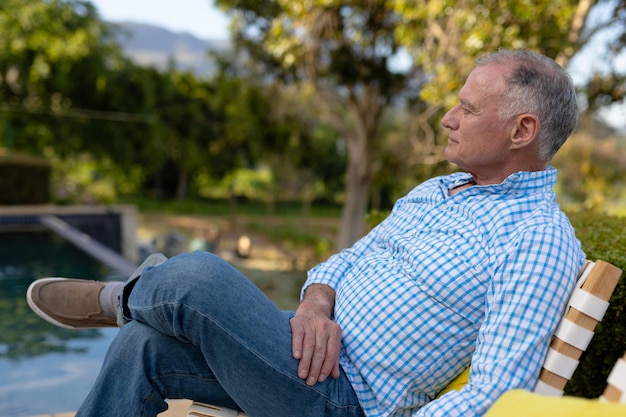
(525, 131)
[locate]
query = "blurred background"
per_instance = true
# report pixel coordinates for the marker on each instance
(271, 132)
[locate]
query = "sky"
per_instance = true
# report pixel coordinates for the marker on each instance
(197, 17)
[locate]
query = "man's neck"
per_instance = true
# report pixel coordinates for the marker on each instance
(461, 187)
(496, 177)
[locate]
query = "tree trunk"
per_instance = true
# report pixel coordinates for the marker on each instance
(576, 29)
(366, 110)
(358, 180)
(181, 185)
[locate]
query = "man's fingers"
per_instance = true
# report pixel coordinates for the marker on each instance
(303, 343)
(325, 353)
(335, 373)
(317, 360)
(316, 343)
(297, 336)
(330, 365)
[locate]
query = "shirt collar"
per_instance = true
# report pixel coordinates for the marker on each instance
(522, 181)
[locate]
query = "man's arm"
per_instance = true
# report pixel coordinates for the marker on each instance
(526, 300)
(316, 338)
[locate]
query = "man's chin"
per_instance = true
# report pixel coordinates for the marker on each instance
(452, 158)
(449, 154)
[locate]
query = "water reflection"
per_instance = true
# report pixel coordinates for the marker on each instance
(43, 368)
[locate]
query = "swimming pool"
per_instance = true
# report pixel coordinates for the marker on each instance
(44, 369)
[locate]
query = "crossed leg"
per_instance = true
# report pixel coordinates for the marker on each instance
(200, 330)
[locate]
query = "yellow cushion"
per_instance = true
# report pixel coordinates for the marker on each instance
(457, 383)
(519, 403)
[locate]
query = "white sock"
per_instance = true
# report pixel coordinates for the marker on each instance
(110, 298)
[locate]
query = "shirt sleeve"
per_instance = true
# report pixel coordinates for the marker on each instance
(526, 300)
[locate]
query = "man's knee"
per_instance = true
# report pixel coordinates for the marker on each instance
(188, 273)
(134, 341)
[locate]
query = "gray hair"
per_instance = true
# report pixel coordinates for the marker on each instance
(540, 86)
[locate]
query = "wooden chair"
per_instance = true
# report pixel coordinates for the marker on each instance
(586, 308)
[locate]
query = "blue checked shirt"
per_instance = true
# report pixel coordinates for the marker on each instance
(483, 275)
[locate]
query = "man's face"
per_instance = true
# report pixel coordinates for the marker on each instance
(479, 140)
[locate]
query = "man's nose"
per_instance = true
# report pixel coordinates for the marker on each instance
(449, 119)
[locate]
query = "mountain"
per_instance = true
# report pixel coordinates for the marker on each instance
(154, 46)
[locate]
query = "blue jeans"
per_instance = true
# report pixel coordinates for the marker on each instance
(200, 330)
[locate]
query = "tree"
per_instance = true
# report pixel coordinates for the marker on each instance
(186, 128)
(607, 84)
(269, 126)
(346, 48)
(55, 54)
(67, 91)
(450, 40)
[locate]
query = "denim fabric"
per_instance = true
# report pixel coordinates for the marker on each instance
(200, 330)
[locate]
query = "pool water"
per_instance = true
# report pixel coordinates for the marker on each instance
(44, 369)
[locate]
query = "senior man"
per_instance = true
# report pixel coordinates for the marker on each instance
(475, 266)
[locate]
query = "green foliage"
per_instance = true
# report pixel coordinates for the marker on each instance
(343, 49)
(374, 217)
(223, 207)
(604, 89)
(445, 36)
(347, 50)
(591, 171)
(53, 54)
(82, 179)
(252, 184)
(67, 92)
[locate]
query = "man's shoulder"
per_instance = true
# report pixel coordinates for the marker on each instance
(549, 224)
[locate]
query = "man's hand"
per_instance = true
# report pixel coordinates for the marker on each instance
(316, 339)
